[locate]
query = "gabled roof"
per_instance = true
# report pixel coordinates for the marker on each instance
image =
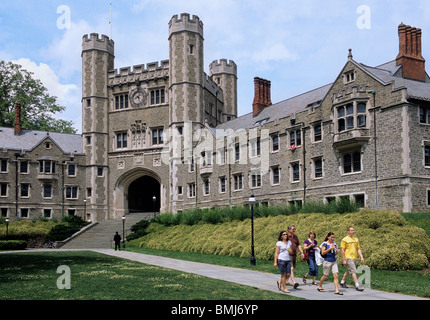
(29, 139)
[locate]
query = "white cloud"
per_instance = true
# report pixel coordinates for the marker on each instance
(68, 94)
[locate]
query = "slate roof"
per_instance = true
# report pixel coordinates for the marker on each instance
(29, 139)
(387, 73)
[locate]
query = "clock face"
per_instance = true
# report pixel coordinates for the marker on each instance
(138, 97)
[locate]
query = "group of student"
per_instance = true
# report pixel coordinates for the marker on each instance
(286, 251)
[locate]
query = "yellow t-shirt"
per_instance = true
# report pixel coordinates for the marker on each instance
(351, 246)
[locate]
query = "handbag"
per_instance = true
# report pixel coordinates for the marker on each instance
(305, 255)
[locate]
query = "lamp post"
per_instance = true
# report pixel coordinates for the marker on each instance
(373, 92)
(85, 209)
(251, 203)
(154, 198)
(123, 232)
(7, 228)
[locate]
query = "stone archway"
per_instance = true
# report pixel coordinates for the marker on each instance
(141, 193)
(134, 191)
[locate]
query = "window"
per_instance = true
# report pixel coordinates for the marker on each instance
(295, 172)
(275, 143)
(89, 192)
(317, 130)
(71, 192)
(318, 168)
(191, 190)
(121, 140)
(222, 184)
(88, 139)
(47, 191)
(158, 96)
(425, 115)
(207, 187)
(428, 198)
(238, 182)
(25, 190)
(359, 198)
(255, 180)
(349, 76)
(3, 165)
(24, 212)
(427, 156)
(351, 116)
(3, 189)
(88, 102)
(157, 136)
(296, 138)
(121, 102)
(352, 162)
(47, 166)
(71, 170)
(255, 147)
(99, 171)
(191, 49)
(237, 152)
(47, 213)
(23, 166)
(222, 154)
(276, 175)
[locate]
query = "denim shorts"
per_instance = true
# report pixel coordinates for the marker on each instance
(284, 266)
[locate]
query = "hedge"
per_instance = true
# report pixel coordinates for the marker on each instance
(387, 241)
(13, 245)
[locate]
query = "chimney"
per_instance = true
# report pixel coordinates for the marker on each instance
(410, 53)
(262, 98)
(17, 130)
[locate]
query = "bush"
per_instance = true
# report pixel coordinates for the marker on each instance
(138, 230)
(75, 221)
(61, 232)
(13, 245)
(386, 240)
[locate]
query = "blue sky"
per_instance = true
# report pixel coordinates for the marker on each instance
(298, 45)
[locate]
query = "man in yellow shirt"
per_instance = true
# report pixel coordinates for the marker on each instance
(350, 248)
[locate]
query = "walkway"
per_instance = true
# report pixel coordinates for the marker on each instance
(261, 280)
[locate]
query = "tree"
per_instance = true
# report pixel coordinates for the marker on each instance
(37, 106)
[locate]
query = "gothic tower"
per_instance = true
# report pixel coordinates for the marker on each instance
(97, 60)
(224, 73)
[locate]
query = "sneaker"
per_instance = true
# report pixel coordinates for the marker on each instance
(295, 285)
(343, 285)
(359, 289)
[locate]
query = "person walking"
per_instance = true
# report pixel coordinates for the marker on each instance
(295, 243)
(329, 249)
(117, 240)
(309, 245)
(282, 260)
(350, 248)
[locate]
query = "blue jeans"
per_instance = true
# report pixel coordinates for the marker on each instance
(313, 268)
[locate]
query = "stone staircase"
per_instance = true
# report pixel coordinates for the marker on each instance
(101, 235)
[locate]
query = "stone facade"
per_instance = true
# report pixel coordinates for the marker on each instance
(165, 136)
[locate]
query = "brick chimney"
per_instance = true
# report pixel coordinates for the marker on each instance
(413, 64)
(262, 96)
(17, 130)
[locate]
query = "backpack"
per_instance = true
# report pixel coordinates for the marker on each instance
(321, 247)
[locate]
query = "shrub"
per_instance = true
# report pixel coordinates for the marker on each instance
(13, 245)
(61, 232)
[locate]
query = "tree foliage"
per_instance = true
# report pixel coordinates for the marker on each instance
(37, 106)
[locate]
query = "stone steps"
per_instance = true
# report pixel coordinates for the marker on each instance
(101, 235)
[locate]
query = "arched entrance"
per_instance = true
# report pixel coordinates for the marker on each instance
(141, 193)
(134, 191)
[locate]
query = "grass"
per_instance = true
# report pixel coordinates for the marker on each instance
(33, 276)
(421, 220)
(405, 282)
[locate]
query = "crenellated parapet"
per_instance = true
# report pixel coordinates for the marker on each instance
(94, 42)
(139, 73)
(185, 22)
(223, 66)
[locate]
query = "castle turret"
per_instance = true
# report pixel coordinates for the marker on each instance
(97, 60)
(224, 73)
(186, 78)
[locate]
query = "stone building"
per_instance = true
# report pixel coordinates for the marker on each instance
(165, 136)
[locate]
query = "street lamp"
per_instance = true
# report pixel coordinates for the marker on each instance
(251, 203)
(123, 232)
(7, 228)
(154, 198)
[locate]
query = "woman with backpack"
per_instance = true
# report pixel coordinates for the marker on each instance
(329, 250)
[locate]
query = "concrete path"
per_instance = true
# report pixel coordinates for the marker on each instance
(261, 280)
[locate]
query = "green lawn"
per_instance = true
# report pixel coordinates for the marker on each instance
(93, 276)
